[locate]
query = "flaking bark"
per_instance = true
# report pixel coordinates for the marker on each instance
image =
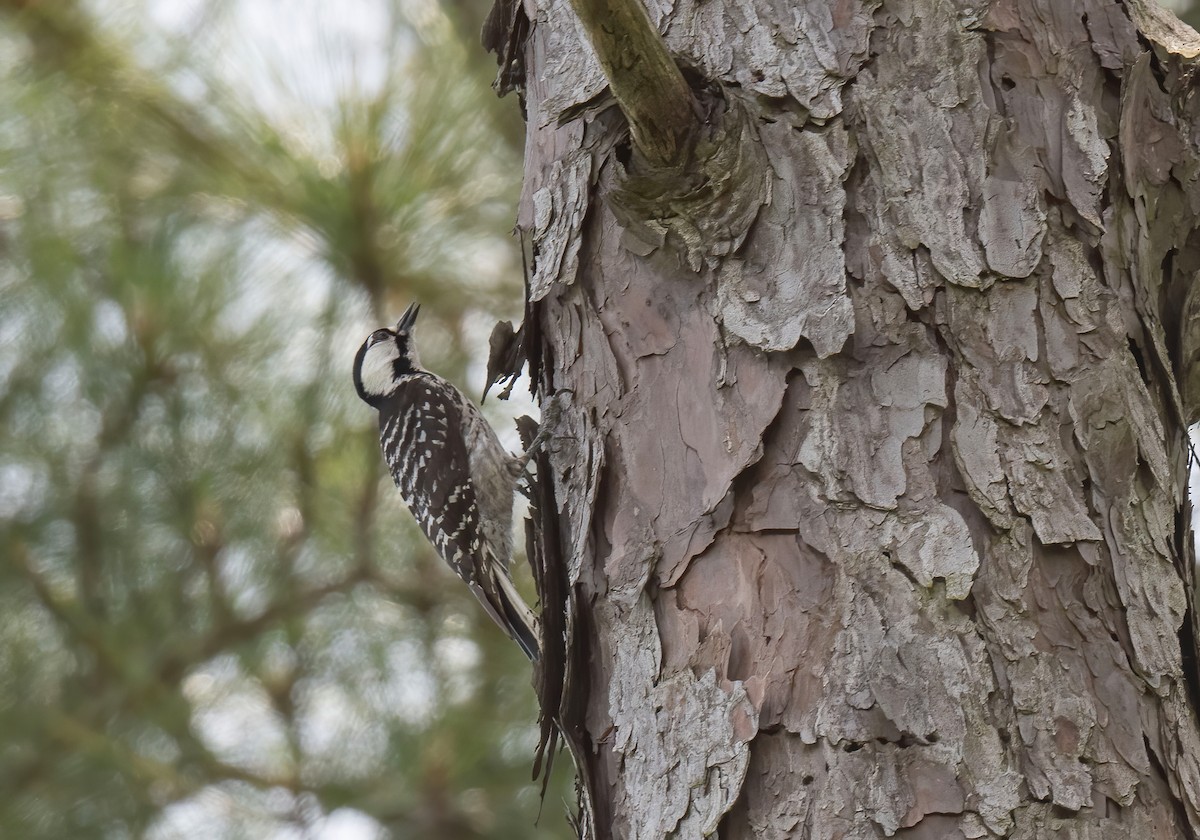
(875, 522)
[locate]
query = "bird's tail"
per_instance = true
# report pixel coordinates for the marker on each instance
(522, 623)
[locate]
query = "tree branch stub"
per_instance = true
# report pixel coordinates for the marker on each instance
(645, 80)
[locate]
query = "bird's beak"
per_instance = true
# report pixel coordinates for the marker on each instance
(408, 318)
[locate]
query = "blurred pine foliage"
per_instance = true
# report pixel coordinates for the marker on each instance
(215, 619)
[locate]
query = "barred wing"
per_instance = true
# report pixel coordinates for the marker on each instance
(420, 431)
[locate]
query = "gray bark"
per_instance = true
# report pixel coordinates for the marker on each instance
(873, 499)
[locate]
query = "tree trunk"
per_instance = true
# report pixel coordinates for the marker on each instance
(873, 489)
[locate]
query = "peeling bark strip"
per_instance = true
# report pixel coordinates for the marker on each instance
(874, 515)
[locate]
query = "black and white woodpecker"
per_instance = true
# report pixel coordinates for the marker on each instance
(452, 472)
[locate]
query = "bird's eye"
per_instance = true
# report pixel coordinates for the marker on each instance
(380, 335)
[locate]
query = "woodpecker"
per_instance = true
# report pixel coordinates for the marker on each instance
(452, 472)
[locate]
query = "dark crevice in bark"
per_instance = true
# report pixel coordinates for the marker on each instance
(1120, 617)
(1171, 305)
(904, 570)
(1139, 360)
(757, 471)
(996, 87)
(544, 545)
(1177, 806)
(736, 822)
(601, 547)
(1161, 74)
(1188, 641)
(595, 774)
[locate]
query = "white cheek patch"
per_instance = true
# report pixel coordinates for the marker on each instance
(378, 373)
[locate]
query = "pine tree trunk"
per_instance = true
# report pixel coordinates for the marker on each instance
(873, 495)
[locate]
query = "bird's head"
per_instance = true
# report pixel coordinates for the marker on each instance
(385, 358)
